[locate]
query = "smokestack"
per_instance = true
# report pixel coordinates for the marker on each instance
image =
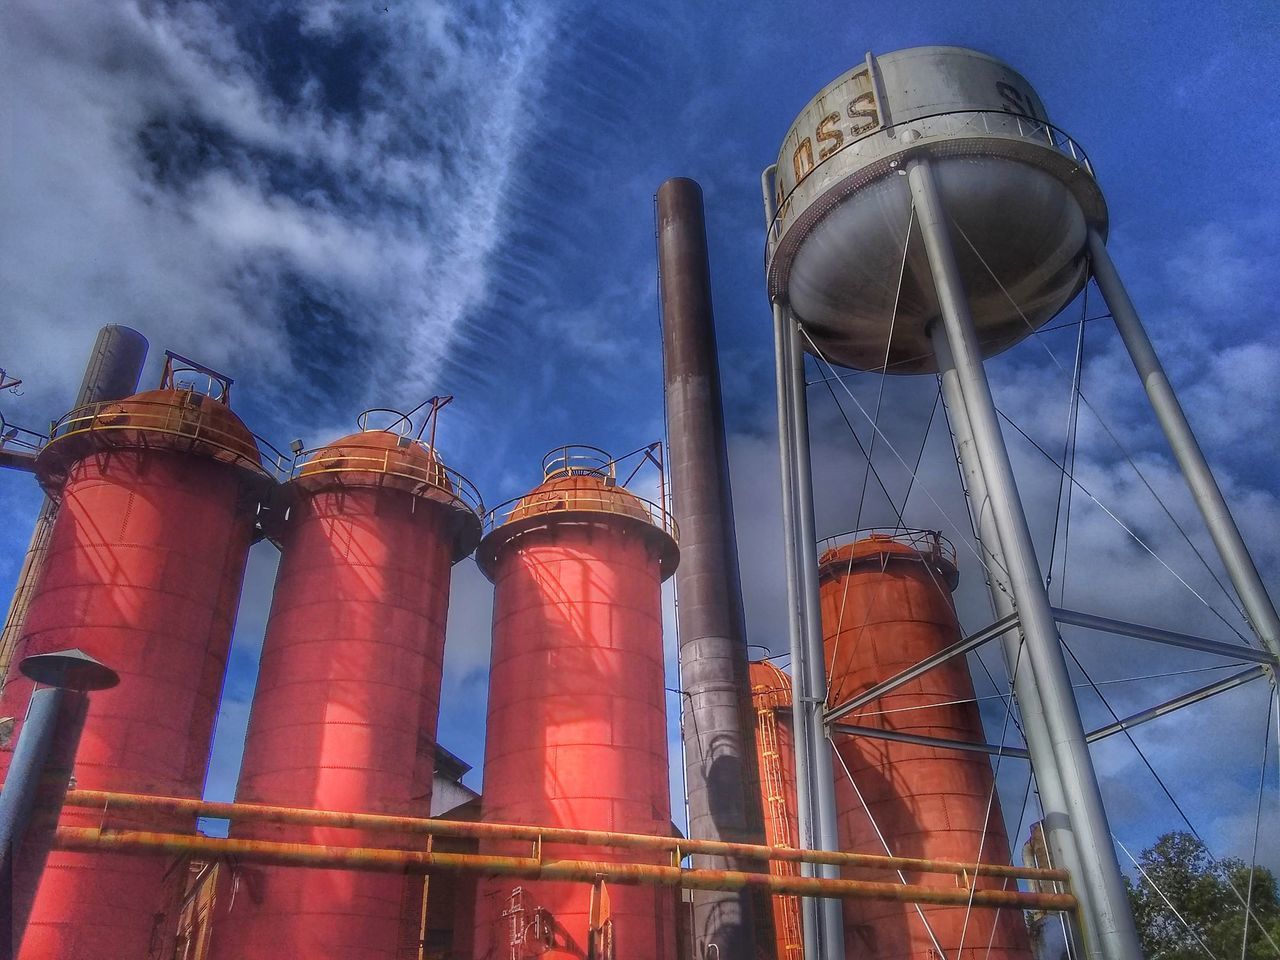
(112, 373)
(718, 739)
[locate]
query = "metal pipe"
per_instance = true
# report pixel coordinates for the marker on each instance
(32, 799)
(1035, 730)
(583, 871)
(1139, 631)
(184, 807)
(1257, 603)
(113, 370)
(800, 718)
(821, 764)
(972, 642)
(898, 736)
(1110, 915)
(719, 759)
(1177, 703)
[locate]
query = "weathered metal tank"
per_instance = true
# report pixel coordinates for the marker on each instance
(1020, 193)
(576, 731)
(145, 562)
(348, 691)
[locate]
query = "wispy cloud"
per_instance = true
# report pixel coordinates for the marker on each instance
(263, 187)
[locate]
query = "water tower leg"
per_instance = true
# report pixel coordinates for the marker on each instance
(800, 714)
(809, 672)
(1204, 488)
(1110, 915)
(1057, 823)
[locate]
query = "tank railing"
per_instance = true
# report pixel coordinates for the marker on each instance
(350, 457)
(12, 435)
(929, 543)
(579, 459)
(166, 808)
(948, 123)
(185, 420)
(614, 501)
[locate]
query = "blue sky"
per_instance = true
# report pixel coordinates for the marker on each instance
(355, 205)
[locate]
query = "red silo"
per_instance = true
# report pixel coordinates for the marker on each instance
(776, 753)
(886, 605)
(147, 555)
(349, 691)
(576, 733)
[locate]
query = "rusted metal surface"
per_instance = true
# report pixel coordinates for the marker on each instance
(105, 802)
(718, 755)
(86, 839)
(886, 603)
(576, 731)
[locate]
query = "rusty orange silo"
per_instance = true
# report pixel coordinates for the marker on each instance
(349, 690)
(886, 605)
(775, 752)
(576, 734)
(157, 503)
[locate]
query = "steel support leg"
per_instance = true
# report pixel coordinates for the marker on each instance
(1057, 823)
(800, 715)
(1109, 918)
(821, 767)
(1195, 469)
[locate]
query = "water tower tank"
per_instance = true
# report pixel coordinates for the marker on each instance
(1020, 194)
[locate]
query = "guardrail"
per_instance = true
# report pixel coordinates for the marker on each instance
(929, 543)
(617, 501)
(188, 422)
(994, 123)
(350, 458)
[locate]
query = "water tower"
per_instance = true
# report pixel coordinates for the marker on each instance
(924, 215)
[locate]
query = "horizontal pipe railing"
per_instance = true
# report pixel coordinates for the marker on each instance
(105, 802)
(88, 839)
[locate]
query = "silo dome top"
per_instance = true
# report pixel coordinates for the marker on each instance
(178, 419)
(389, 460)
(579, 484)
(1019, 191)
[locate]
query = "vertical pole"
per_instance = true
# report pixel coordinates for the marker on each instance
(112, 373)
(1057, 823)
(719, 747)
(800, 715)
(32, 799)
(1195, 469)
(810, 610)
(1111, 918)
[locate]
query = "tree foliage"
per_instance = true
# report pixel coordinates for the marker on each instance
(1202, 892)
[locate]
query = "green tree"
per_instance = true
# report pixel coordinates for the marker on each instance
(1201, 891)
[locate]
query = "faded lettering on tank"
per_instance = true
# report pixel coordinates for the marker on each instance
(863, 108)
(802, 159)
(829, 133)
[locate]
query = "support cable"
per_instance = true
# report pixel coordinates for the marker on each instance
(1257, 823)
(1068, 456)
(1110, 433)
(942, 954)
(1125, 527)
(1161, 894)
(1168, 794)
(991, 798)
(924, 442)
(861, 449)
(892, 449)
(884, 367)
